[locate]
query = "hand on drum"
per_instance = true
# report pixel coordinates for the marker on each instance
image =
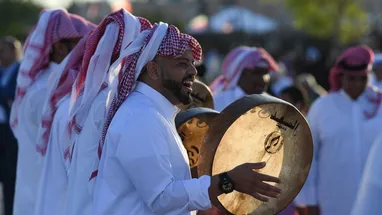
(248, 181)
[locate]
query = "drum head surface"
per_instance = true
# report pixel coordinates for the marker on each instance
(272, 132)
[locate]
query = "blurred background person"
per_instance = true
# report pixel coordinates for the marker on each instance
(245, 71)
(376, 76)
(370, 192)
(344, 124)
(10, 56)
(297, 97)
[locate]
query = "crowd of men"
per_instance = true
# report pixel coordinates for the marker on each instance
(87, 122)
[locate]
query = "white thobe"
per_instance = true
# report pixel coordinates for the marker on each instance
(370, 194)
(144, 166)
(29, 161)
(374, 81)
(84, 156)
(51, 197)
(227, 97)
(342, 139)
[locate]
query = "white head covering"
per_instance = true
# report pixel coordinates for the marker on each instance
(104, 46)
(236, 61)
(161, 40)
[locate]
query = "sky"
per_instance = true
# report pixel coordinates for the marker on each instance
(53, 3)
(63, 3)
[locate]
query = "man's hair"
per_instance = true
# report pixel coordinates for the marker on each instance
(14, 44)
(297, 94)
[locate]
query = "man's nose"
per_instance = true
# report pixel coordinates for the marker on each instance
(192, 71)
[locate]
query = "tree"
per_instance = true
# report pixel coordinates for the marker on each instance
(17, 17)
(342, 20)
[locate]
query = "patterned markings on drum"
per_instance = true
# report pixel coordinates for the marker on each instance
(263, 114)
(274, 142)
(191, 138)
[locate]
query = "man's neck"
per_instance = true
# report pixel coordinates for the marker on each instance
(162, 91)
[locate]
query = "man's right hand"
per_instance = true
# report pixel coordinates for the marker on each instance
(248, 181)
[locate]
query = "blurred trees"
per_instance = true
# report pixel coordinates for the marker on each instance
(17, 17)
(343, 21)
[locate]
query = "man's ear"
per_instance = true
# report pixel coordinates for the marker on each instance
(153, 70)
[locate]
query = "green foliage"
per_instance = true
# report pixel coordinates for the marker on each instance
(341, 20)
(17, 17)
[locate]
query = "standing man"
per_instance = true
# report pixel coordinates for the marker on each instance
(245, 71)
(10, 56)
(377, 71)
(370, 192)
(144, 166)
(47, 46)
(90, 91)
(344, 125)
(51, 196)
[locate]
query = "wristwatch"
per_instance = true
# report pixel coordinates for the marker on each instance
(226, 184)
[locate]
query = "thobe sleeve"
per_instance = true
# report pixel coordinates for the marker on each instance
(370, 193)
(308, 194)
(143, 152)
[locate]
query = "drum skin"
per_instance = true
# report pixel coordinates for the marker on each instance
(258, 128)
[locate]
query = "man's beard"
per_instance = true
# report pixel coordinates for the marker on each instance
(176, 88)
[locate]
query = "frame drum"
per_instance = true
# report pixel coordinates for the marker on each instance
(258, 128)
(192, 125)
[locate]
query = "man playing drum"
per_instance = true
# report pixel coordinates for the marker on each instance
(144, 167)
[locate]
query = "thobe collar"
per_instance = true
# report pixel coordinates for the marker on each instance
(166, 108)
(360, 97)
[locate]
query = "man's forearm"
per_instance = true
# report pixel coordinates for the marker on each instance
(214, 190)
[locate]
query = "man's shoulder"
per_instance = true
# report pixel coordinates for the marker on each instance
(326, 99)
(138, 107)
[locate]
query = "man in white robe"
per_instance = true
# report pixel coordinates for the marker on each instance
(245, 71)
(370, 192)
(89, 103)
(144, 166)
(10, 56)
(51, 136)
(344, 124)
(376, 78)
(48, 44)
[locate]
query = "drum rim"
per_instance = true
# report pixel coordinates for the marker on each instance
(183, 116)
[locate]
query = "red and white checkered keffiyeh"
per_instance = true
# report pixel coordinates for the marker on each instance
(357, 60)
(236, 61)
(103, 48)
(162, 40)
(60, 85)
(52, 26)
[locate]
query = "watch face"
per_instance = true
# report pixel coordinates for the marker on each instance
(227, 187)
